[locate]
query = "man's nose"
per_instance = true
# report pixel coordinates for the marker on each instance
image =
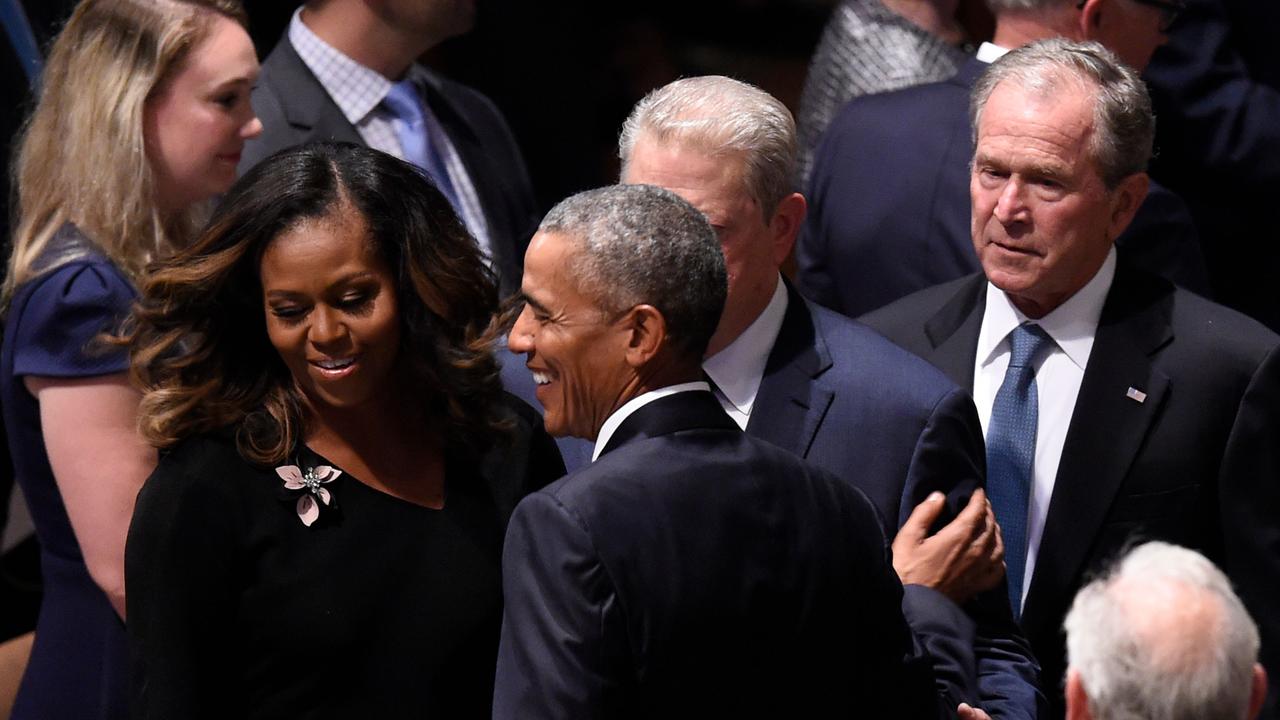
(520, 339)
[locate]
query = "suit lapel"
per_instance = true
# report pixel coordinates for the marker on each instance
(790, 405)
(953, 331)
(1107, 428)
(307, 106)
(694, 409)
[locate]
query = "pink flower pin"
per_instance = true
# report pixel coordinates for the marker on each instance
(310, 484)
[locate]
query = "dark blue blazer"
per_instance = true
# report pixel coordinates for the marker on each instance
(1196, 462)
(295, 109)
(849, 401)
(1216, 90)
(889, 203)
(694, 571)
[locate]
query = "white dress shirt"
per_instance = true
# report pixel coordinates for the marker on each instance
(989, 52)
(1059, 372)
(358, 92)
(612, 422)
(738, 369)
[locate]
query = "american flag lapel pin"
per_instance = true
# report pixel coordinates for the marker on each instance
(1136, 395)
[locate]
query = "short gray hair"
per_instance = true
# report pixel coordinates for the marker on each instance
(722, 116)
(1121, 110)
(640, 244)
(1163, 636)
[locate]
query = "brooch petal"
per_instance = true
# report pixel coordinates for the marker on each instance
(292, 476)
(308, 510)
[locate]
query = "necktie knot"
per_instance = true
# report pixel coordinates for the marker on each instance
(403, 102)
(1025, 344)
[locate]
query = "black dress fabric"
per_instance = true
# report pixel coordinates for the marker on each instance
(380, 608)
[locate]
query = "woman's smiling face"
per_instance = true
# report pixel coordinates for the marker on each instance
(331, 310)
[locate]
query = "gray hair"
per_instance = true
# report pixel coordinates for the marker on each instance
(1122, 108)
(640, 244)
(722, 116)
(1163, 636)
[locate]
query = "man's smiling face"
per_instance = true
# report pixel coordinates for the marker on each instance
(576, 353)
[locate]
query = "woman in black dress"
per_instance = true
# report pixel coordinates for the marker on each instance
(323, 535)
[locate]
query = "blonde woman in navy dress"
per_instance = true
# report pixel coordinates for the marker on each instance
(143, 110)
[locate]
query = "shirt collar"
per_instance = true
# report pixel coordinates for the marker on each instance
(612, 422)
(989, 53)
(1072, 325)
(738, 369)
(355, 89)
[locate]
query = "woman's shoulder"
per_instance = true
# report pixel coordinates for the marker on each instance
(519, 412)
(56, 319)
(73, 280)
(208, 464)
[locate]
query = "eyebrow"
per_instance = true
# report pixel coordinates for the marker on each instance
(344, 280)
(534, 303)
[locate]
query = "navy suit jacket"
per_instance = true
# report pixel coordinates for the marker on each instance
(1216, 90)
(890, 212)
(1196, 462)
(694, 571)
(849, 401)
(295, 108)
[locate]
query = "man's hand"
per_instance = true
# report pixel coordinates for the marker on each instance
(967, 712)
(962, 559)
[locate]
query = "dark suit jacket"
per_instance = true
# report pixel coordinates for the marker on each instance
(295, 108)
(1216, 90)
(889, 203)
(847, 400)
(693, 571)
(1196, 463)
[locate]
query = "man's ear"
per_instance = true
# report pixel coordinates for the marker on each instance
(646, 334)
(1077, 700)
(1125, 201)
(1259, 691)
(1088, 24)
(785, 225)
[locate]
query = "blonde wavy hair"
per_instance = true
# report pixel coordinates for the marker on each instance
(81, 157)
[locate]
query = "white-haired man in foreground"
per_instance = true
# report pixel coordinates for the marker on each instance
(1162, 636)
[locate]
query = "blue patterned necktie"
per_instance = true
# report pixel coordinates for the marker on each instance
(415, 137)
(1011, 451)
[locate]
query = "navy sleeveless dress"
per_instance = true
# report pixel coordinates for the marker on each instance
(79, 664)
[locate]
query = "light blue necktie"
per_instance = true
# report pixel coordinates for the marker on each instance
(1011, 451)
(412, 130)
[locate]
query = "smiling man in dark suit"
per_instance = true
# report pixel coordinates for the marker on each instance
(827, 388)
(690, 570)
(346, 70)
(1115, 405)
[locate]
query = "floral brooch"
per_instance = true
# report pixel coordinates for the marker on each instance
(308, 486)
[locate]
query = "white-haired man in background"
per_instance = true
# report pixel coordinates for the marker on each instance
(1162, 637)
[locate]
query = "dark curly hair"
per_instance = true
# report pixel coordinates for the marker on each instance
(197, 336)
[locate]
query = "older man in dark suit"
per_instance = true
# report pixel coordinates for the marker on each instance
(690, 570)
(828, 389)
(1115, 405)
(346, 70)
(890, 183)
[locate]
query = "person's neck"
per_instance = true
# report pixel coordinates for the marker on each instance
(936, 17)
(1015, 28)
(383, 426)
(355, 31)
(739, 313)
